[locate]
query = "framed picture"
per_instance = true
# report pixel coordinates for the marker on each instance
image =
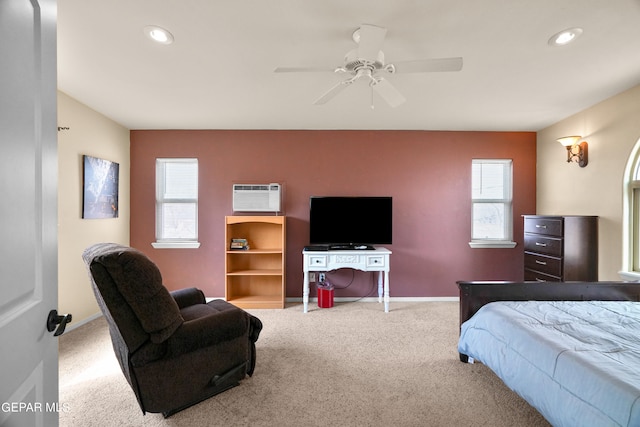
(100, 188)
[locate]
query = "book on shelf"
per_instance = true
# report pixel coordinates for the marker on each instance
(239, 245)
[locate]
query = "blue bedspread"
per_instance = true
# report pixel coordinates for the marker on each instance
(578, 363)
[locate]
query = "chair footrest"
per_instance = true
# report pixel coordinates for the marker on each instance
(218, 380)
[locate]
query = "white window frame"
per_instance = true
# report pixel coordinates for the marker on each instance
(631, 217)
(163, 242)
(506, 201)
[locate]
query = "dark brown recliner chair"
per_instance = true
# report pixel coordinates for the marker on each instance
(174, 349)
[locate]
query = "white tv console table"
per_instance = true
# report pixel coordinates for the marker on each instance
(358, 259)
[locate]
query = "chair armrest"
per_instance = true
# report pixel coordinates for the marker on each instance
(188, 296)
(209, 330)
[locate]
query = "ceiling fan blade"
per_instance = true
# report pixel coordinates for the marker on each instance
(302, 69)
(389, 93)
(428, 65)
(333, 92)
(370, 41)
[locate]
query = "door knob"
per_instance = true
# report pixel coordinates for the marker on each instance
(55, 319)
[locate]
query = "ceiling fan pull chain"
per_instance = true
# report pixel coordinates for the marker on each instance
(372, 106)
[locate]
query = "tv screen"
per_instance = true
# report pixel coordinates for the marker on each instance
(350, 221)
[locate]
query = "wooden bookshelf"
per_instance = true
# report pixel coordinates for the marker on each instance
(255, 277)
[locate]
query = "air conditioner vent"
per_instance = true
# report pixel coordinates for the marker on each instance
(249, 187)
(256, 197)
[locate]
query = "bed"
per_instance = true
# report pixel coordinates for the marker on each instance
(572, 350)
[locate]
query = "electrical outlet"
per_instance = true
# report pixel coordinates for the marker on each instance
(312, 277)
(322, 277)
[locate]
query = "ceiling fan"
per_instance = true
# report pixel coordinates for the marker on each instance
(367, 62)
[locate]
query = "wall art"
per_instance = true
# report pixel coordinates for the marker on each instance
(100, 188)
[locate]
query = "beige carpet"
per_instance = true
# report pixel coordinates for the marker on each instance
(350, 365)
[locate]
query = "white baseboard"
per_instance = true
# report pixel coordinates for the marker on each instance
(84, 321)
(369, 299)
(375, 299)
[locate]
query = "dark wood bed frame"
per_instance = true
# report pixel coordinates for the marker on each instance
(474, 295)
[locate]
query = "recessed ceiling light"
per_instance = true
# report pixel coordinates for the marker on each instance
(565, 37)
(158, 34)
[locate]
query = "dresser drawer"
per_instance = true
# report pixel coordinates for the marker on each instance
(543, 264)
(542, 244)
(536, 276)
(548, 226)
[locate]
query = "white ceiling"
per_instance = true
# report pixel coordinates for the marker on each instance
(218, 74)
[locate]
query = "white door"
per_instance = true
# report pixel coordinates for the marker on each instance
(28, 213)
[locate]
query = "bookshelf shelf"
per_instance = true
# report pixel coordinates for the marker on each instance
(255, 277)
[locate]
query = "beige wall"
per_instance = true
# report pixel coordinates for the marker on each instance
(612, 128)
(88, 133)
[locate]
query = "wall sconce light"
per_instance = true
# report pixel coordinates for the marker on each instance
(576, 153)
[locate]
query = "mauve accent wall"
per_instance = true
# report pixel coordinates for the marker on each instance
(428, 174)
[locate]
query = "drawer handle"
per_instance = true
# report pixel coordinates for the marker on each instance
(541, 244)
(540, 226)
(541, 262)
(317, 261)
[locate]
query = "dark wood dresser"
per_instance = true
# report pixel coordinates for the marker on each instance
(560, 248)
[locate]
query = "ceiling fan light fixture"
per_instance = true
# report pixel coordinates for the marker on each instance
(158, 34)
(355, 36)
(565, 37)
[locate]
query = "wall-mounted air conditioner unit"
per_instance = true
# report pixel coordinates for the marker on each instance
(256, 197)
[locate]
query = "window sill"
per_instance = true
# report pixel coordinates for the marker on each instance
(175, 245)
(629, 276)
(489, 244)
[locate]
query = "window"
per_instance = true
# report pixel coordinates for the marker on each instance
(176, 203)
(491, 204)
(631, 217)
(635, 206)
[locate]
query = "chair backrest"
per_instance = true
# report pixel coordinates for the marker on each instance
(129, 290)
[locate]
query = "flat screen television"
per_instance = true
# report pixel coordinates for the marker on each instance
(350, 222)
